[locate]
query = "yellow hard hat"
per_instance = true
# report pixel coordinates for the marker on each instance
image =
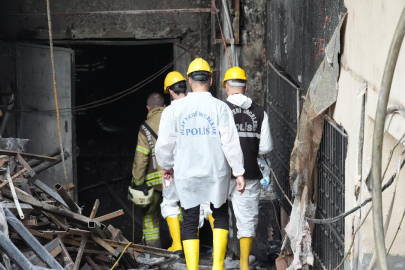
(198, 64)
(234, 73)
(172, 78)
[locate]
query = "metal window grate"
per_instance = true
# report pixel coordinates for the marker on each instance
(282, 110)
(328, 241)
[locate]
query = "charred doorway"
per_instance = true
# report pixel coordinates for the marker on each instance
(106, 132)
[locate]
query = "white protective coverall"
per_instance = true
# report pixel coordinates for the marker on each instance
(169, 206)
(246, 206)
(203, 131)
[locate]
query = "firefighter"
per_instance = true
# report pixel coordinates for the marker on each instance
(254, 133)
(146, 186)
(202, 130)
(175, 85)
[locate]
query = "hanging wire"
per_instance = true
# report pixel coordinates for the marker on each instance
(119, 95)
(55, 91)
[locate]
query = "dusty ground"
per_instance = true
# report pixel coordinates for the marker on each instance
(205, 263)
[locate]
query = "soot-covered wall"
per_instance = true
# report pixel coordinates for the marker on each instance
(298, 34)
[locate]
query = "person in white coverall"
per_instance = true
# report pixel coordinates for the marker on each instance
(254, 132)
(203, 131)
(175, 85)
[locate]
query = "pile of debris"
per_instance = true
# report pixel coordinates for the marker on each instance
(42, 227)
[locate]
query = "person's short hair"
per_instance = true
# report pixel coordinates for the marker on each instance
(155, 100)
(236, 83)
(179, 87)
(201, 77)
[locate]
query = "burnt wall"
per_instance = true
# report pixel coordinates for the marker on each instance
(298, 33)
(8, 84)
(296, 38)
(26, 19)
(252, 50)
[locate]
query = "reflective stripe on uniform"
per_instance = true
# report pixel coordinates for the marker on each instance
(153, 175)
(249, 134)
(152, 234)
(142, 150)
(137, 182)
(149, 231)
(154, 182)
(153, 179)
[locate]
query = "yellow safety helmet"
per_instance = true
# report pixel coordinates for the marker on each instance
(172, 78)
(234, 73)
(198, 64)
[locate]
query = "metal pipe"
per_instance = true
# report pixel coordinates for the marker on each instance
(35, 162)
(378, 140)
(46, 165)
(12, 251)
(31, 241)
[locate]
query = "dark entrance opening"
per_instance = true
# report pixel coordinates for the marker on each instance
(107, 135)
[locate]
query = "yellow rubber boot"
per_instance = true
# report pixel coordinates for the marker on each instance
(245, 248)
(192, 253)
(220, 241)
(174, 227)
(211, 220)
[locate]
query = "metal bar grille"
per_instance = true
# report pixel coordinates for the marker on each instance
(329, 238)
(283, 115)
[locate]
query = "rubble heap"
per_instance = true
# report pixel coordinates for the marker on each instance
(42, 227)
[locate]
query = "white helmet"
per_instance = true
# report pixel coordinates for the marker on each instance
(141, 195)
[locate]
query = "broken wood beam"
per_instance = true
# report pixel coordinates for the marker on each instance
(95, 208)
(24, 197)
(40, 234)
(27, 167)
(27, 155)
(36, 162)
(72, 231)
(51, 247)
(80, 253)
(66, 256)
(84, 240)
(105, 245)
(29, 222)
(70, 241)
(110, 215)
(55, 220)
(47, 164)
(66, 197)
(69, 187)
(92, 263)
(142, 249)
(91, 251)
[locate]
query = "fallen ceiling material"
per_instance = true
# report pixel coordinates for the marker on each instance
(322, 93)
(42, 227)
